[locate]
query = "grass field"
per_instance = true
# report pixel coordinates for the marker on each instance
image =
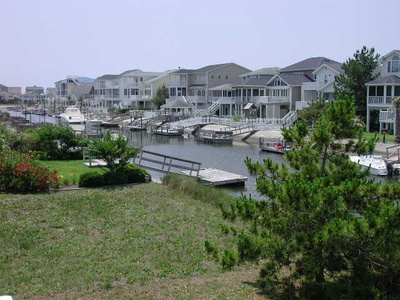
(68, 170)
(134, 242)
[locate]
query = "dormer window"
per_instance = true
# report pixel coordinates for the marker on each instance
(394, 65)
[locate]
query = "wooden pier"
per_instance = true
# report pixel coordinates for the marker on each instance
(219, 177)
(169, 164)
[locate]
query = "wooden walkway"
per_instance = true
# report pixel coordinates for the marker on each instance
(219, 177)
(169, 164)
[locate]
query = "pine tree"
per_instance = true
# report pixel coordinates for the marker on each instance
(357, 72)
(325, 230)
(161, 96)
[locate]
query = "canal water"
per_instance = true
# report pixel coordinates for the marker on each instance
(226, 157)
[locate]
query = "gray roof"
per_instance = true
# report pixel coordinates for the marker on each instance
(161, 75)
(294, 79)
(128, 71)
(107, 77)
(180, 102)
(263, 71)
(80, 80)
(311, 64)
(210, 68)
(184, 71)
(2, 86)
(254, 81)
(390, 53)
(391, 79)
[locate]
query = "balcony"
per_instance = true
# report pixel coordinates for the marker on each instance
(272, 100)
(130, 85)
(379, 101)
(138, 97)
(313, 86)
(182, 83)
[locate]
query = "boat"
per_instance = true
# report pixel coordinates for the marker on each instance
(214, 136)
(166, 130)
(72, 115)
(274, 145)
(375, 163)
(94, 122)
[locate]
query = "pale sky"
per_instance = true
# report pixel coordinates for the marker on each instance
(43, 41)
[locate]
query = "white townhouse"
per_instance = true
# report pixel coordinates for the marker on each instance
(131, 89)
(69, 90)
(196, 84)
(313, 78)
(244, 97)
(273, 93)
(380, 93)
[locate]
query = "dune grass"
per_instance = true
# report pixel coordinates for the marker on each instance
(133, 242)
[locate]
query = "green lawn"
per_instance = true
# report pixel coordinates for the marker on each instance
(68, 170)
(142, 241)
(388, 138)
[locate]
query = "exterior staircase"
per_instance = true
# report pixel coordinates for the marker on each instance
(209, 111)
(387, 115)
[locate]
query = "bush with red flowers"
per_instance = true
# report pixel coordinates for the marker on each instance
(20, 173)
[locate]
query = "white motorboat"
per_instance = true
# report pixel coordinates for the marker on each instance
(94, 122)
(72, 115)
(375, 163)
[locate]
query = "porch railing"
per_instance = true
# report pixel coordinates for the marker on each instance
(380, 100)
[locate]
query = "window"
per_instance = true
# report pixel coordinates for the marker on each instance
(219, 77)
(212, 77)
(394, 65)
(226, 77)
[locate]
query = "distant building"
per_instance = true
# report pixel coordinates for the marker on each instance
(33, 94)
(9, 94)
(69, 91)
(381, 112)
(131, 89)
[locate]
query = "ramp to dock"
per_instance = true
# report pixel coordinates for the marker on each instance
(169, 164)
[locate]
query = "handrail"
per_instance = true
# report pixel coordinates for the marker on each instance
(397, 146)
(167, 163)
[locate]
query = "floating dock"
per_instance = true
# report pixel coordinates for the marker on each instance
(218, 177)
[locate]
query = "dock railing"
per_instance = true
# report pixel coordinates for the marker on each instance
(393, 151)
(167, 163)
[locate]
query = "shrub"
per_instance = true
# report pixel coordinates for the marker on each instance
(55, 142)
(115, 177)
(136, 174)
(91, 179)
(128, 174)
(19, 173)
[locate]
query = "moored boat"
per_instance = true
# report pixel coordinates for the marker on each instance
(72, 115)
(375, 163)
(214, 136)
(274, 145)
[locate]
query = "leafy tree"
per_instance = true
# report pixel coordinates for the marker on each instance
(161, 96)
(55, 142)
(326, 230)
(80, 101)
(357, 72)
(114, 151)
